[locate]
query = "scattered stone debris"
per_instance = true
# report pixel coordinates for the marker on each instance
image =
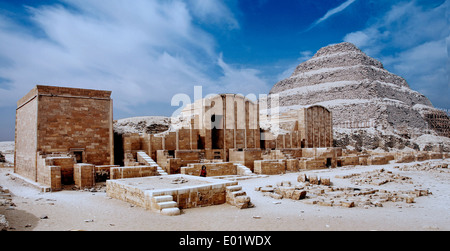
(179, 180)
(4, 224)
(425, 166)
(319, 190)
(5, 201)
(98, 188)
(283, 190)
(377, 177)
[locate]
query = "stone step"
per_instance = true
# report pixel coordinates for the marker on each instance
(163, 198)
(166, 204)
(162, 172)
(233, 188)
(173, 211)
(238, 193)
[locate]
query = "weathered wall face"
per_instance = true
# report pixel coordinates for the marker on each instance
(212, 169)
(225, 121)
(26, 138)
(315, 125)
(70, 122)
(245, 157)
(57, 119)
(303, 128)
(270, 167)
(132, 172)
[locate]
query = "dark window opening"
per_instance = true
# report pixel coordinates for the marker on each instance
(328, 162)
(78, 156)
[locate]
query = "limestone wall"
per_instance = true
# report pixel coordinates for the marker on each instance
(76, 119)
(132, 172)
(84, 175)
(212, 169)
(26, 138)
(57, 119)
(269, 167)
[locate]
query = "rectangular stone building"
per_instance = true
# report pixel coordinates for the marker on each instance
(51, 120)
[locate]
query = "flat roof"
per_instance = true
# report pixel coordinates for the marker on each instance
(63, 92)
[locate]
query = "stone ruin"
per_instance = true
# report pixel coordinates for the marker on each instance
(65, 138)
(5, 201)
(321, 191)
(169, 194)
(370, 102)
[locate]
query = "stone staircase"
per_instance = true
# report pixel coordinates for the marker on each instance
(237, 197)
(142, 157)
(165, 205)
(243, 170)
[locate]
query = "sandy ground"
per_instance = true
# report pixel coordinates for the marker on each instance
(85, 210)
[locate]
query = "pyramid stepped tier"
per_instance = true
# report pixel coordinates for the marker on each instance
(355, 87)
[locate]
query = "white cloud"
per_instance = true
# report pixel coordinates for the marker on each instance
(213, 11)
(406, 25)
(410, 40)
(332, 12)
(427, 65)
(145, 51)
(239, 80)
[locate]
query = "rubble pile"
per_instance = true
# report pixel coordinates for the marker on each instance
(283, 190)
(377, 177)
(425, 166)
(5, 201)
(320, 191)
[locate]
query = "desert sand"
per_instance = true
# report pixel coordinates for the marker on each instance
(94, 210)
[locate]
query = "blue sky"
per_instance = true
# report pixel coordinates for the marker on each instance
(146, 51)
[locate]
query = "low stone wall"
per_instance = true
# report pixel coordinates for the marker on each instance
(405, 157)
(133, 172)
(212, 169)
(84, 175)
(292, 165)
(270, 167)
(349, 160)
(378, 160)
(193, 192)
(312, 164)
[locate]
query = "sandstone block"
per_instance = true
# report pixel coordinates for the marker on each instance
(302, 178)
(409, 199)
(242, 202)
(298, 195)
(171, 211)
(313, 179)
(347, 204)
(325, 181)
(267, 189)
(4, 224)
